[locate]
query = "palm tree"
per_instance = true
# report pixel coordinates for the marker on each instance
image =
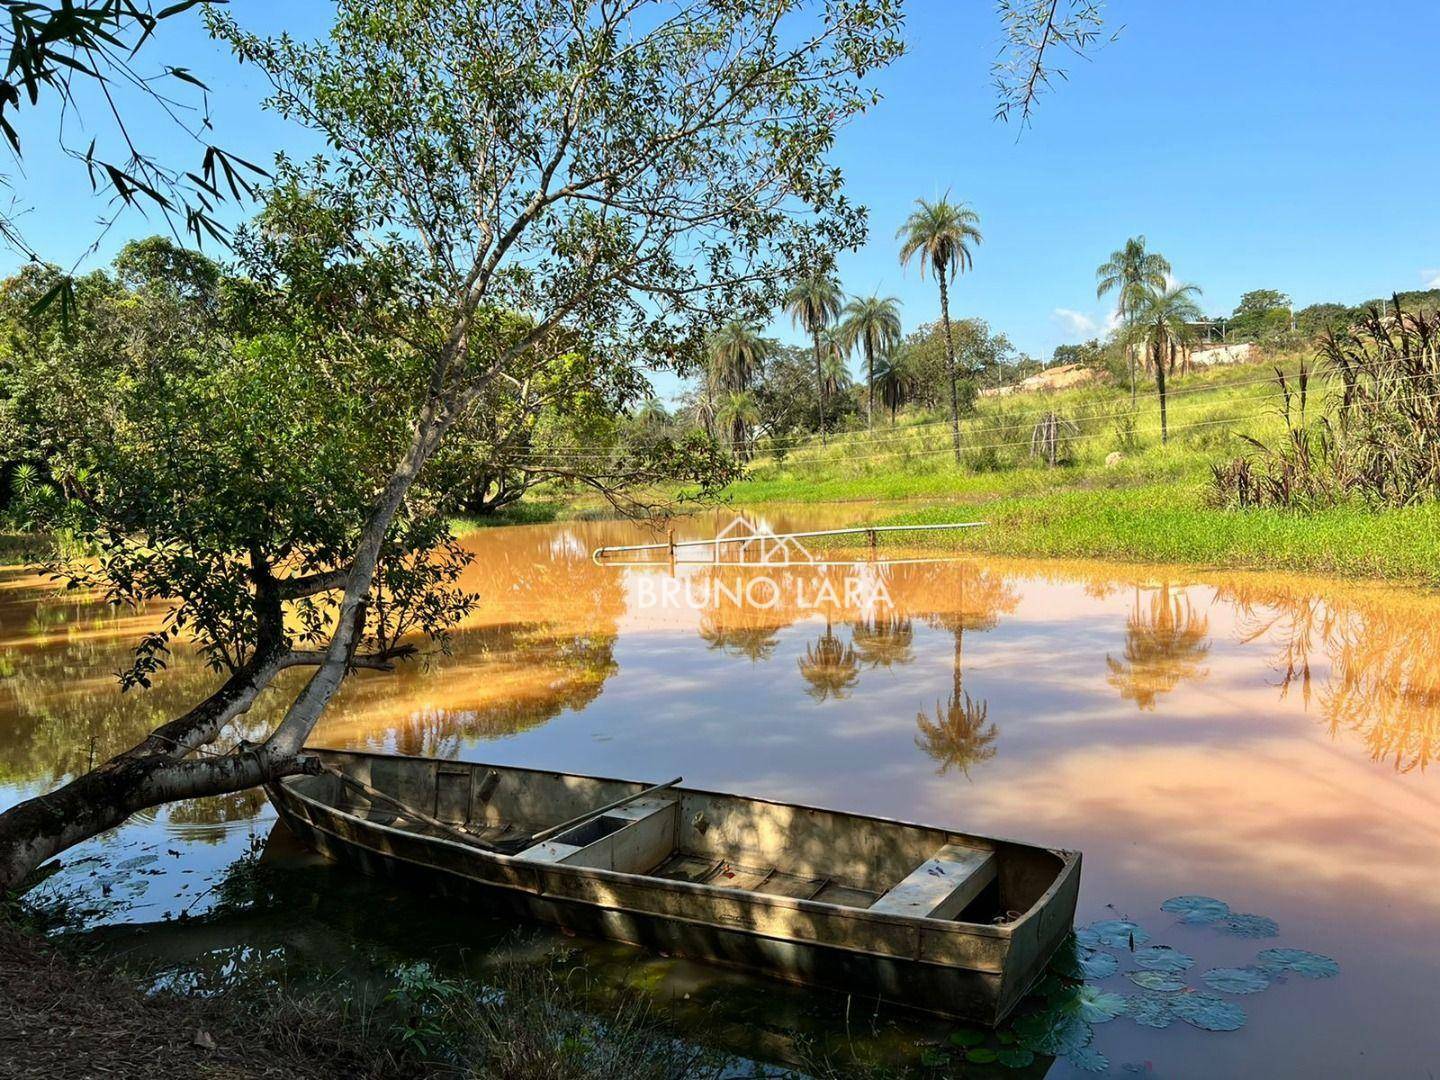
(814, 303)
(1128, 273)
(941, 234)
(896, 382)
(1162, 324)
(738, 412)
(834, 367)
(651, 413)
(736, 353)
(702, 406)
(872, 325)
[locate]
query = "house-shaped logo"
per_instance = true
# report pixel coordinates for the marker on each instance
(750, 541)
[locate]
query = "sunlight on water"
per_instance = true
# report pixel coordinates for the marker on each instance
(1259, 738)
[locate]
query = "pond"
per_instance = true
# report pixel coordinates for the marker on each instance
(1258, 739)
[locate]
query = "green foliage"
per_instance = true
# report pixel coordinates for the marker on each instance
(1172, 522)
(940, 235)
(983, 356)
(68, 58)
(1261, 315)
(539, 1023)
(186, 452)
(1091, 354)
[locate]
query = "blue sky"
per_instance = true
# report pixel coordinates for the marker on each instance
(1288, 145)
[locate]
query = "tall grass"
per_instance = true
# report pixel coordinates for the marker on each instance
(1377, 439)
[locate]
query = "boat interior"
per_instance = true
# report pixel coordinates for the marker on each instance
(722, 841)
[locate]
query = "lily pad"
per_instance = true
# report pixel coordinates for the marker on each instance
(1118, 933)
(1151, 1010)
(967, 1037)
(1088, 1059)
(1242, 980)
(1196, 909)
(982, 1055)
(1162, 958)
(138, 860)
(1015, 1057)
(1164, 982)
(1078, 963)
(1092, 1004)
(1311, 965)
(1100, 965)
(1087, 938)
(1208, 1012)
(1249, 926)
(1052, 1032)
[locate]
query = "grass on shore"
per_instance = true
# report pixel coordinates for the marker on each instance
(1152, 505)
(1171, 523)
(66, 1016)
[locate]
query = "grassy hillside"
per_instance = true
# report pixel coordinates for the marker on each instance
(1207, 413)
(1153, 505)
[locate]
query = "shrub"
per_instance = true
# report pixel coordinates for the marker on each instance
(1378, 442)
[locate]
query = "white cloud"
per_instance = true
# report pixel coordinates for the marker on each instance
(1431, 278)
(1076, 323)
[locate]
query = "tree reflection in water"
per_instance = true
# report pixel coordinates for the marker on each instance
(961, 734)
(1382, 686)
(830, 666)
(1166, 642)
(883, 639)
(755, 639)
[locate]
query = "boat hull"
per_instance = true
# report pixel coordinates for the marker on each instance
(787, 941)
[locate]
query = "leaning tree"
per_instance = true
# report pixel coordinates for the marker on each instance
(509, 182)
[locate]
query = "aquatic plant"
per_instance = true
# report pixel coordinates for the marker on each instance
(1196, 909)
(1300, 961)
(1246, 980)
(1248, 926)
(1162, 958)
(1208, 1012)
(1159, 981)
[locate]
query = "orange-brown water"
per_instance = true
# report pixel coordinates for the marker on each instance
(1261, 739)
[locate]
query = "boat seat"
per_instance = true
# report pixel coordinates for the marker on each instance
(630, 839)
(941, 886)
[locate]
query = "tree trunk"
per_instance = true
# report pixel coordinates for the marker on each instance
(958, 664)
(950, 366)
(819, 383)
(39, 828)
(1160, 386)
(870, 381)
(1125, 320)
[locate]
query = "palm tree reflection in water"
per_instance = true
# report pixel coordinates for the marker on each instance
(830, 666)
(883, 640)
(1166, 643)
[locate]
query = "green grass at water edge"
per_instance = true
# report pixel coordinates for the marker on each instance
(1171, 523)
